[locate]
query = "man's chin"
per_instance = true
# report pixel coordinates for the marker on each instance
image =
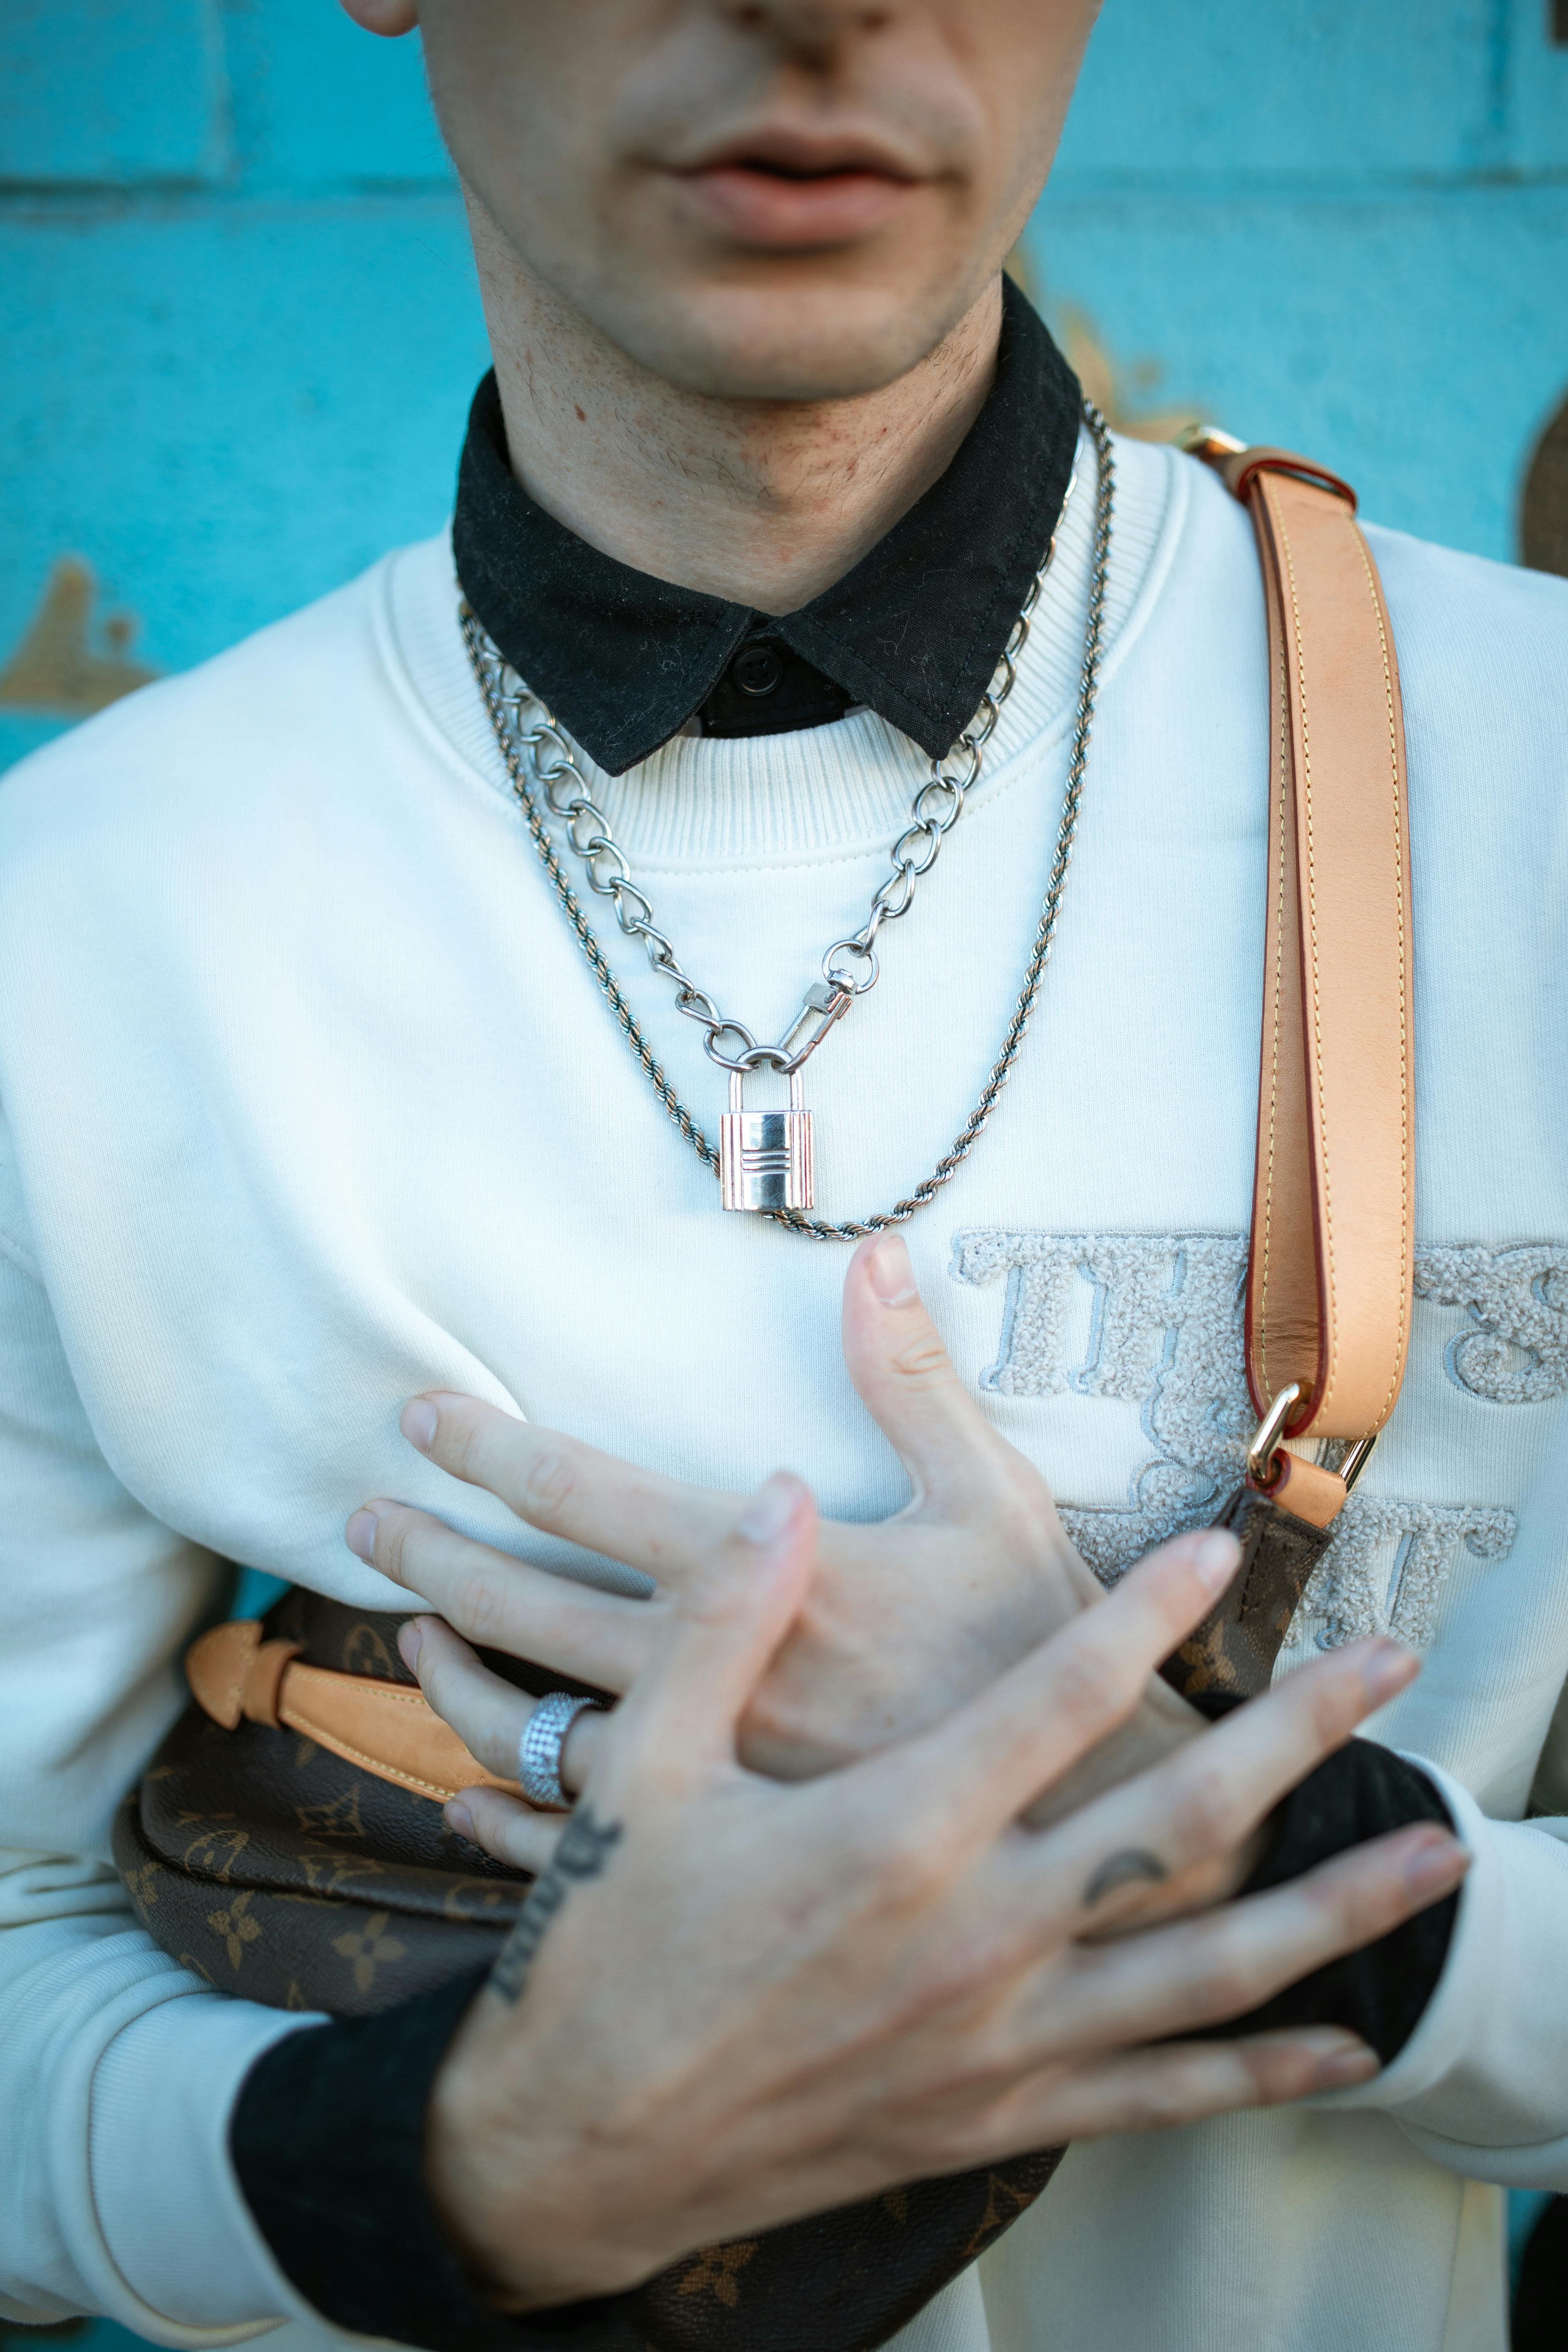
(801, 343)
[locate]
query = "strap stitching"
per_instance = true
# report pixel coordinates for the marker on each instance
(1324, 1400)
(1391, 1389)
(299, 1720)
(1274, 1059)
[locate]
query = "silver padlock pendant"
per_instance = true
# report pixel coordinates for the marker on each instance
(765, 1157)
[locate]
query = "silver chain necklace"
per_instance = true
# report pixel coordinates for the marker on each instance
(765, 1159)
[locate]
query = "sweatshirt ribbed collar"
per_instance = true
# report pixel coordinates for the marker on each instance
(914, 632)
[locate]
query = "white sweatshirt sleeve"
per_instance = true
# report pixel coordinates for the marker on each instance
(1481, 2088)
(1482, 2084)
(118, 2068)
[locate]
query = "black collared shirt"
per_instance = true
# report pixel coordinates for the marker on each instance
(624, 661)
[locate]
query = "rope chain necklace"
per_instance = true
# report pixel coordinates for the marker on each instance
(764, 1160)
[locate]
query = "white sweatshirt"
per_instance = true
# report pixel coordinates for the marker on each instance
(311, 1103)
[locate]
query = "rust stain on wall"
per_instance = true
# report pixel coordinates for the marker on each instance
(1112, 389)
(56, 668)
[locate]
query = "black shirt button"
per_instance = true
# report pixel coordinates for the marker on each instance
(757, 669)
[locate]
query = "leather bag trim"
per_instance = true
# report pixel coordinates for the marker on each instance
(387, 1728)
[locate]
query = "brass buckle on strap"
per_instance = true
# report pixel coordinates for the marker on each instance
(1210, 441)
(1356, 1460)
(1263, 1451)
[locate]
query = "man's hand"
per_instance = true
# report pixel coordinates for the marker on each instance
(732, 2000)
(904, 1620)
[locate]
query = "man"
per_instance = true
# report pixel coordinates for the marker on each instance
(314, 1105)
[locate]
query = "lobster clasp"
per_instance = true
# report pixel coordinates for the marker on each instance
(1263, 1465)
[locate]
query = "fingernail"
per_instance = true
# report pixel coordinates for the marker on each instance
(410, 1642)
(458, 1818)
(418, 1424)
(892, 1275)
(1434, 1868)
(768, 1513)
(1216, 1559)
(1356, 2064)
(359, 1536)
(1389, 1668)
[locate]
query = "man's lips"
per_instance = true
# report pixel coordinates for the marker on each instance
(757, 203)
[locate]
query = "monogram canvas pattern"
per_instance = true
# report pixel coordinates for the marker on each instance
(1164, 1332)
(274, 1869)
(841, 2282)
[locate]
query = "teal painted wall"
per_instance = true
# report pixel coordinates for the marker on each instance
(1341, 225)
(241, 324)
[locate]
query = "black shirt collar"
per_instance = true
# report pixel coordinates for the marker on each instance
(623, 660)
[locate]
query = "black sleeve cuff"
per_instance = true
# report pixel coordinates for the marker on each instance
(328, 2138)
(1379, 1992)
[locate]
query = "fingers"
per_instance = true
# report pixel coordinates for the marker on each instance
(1202, 1971)
(980, 1767)
(721, 1634)
(1206, 1800)
(486, 1714)
(505, 1828)
(504, 1603)
(1160, 2089)
(569, 1489)
(906, 1378)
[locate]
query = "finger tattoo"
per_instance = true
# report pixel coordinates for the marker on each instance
(1120, 1869)
(584, 1852)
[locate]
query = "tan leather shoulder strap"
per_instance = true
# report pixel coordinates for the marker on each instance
(1329, 1273)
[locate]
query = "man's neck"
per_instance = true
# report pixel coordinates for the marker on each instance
(765, 503)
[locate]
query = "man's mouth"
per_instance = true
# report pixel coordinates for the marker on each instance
(787, 190)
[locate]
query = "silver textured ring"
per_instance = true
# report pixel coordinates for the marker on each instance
(539, 1749)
